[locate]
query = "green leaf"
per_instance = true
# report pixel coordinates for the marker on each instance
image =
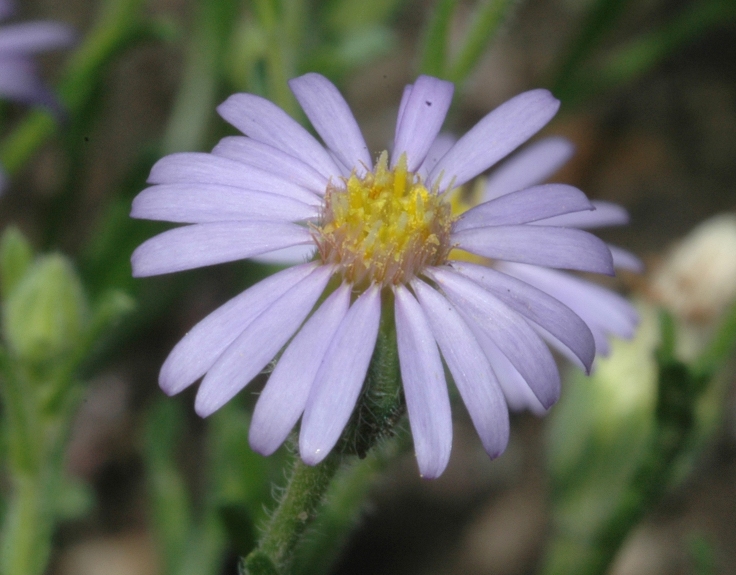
(343, 17)
(436, 40)
(16, 256)
(642, 54)
(485, 23)
(167, 491)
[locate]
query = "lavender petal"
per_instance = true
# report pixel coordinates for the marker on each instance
(546, 311)
(596, 305)
(529, 205)
(199, 203)
(204, 343)
(531, 166)
(331, 117)
(402, 105)
(625, 260)
(539, 245)
(272, 160)
(29, 38)
(283, 399)
(495, 136)
(199, 168)
(470, 369)
(605, 214)
(259, 343)
(508, 330)
(201, 245)
(264, 121)
(421, 119)
(287, 256)
(340, 378)
(519, 396)
(441, 145)
(424, 385)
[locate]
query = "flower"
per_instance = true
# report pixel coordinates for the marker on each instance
(604, 311)
(383, 234)
(18, 44)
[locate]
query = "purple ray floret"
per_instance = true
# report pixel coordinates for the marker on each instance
(19, 43)
(381, 232)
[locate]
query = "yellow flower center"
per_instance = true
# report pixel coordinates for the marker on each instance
(384, 227)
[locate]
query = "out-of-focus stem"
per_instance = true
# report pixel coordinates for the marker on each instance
(198, 92)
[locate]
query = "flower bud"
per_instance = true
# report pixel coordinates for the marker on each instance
(46, 312)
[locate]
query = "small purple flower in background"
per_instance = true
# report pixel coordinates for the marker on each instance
(383, 233)
(18, 44)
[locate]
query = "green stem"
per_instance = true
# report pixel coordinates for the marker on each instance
(378, 411)
(196, 99)
(280, 23)
(436, 39)
(27, 528)
(34, 463)
(603, 15)
(302, 497)
(486, 21)
(720, 348)
(343, 506)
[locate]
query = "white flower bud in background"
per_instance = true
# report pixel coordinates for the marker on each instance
(696, 282)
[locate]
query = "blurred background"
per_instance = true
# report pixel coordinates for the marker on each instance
(649, 99)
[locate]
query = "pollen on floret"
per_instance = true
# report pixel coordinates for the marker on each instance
(383, 227)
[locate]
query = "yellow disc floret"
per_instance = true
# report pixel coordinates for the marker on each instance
(383, 227)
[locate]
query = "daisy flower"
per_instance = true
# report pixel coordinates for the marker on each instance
(382, 234)
(18, 44)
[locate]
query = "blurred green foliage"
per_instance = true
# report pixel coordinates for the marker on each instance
(618, 440)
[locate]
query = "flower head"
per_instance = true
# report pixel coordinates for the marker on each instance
(383, 233)
(18, 44)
